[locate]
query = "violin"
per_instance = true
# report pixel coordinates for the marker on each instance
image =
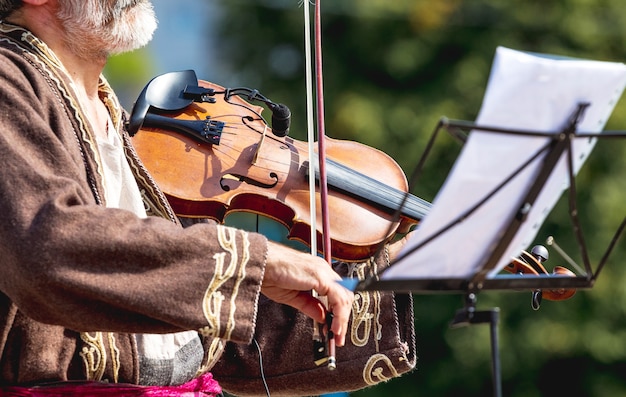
(212, 153)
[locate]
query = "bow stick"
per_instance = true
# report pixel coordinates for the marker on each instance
(319, 89)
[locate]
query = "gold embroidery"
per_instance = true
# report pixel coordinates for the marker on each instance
(361, 319)
(111, 102)
(213, 301)
(374, 370)
(212, 353)
(245, 257)
(115, 357)
(365, 312)
(94, 355)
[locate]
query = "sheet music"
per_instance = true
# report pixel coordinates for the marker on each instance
(525, 92)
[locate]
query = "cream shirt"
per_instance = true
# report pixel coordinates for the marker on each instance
(121, 191)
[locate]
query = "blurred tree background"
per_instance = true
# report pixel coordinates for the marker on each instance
(392, 69)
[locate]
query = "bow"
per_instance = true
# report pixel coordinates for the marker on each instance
(319, 347)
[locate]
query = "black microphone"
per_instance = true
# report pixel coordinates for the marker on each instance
(281, 119)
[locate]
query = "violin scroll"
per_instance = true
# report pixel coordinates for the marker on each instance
(532, 264)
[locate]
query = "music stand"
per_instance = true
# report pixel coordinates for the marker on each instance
(540, 119)
(485, 278)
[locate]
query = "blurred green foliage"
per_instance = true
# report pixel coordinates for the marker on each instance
(392, 69)
(128, 73)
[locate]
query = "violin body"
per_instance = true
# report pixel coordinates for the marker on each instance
(213, 155)
(249, 169)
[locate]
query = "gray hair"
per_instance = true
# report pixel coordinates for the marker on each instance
(8, 6)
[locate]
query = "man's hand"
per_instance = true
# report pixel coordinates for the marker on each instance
(396, 246)
(289, 278)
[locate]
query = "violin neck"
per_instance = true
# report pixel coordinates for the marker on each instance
(369, 190)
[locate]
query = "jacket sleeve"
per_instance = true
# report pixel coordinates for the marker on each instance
(68, 261)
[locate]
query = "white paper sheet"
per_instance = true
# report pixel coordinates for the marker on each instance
(525, 92)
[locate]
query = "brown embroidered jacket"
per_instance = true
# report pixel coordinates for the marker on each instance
(77, 280)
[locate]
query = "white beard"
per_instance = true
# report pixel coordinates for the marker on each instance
(97, 28)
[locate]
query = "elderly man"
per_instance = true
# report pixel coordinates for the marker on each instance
(99, 282)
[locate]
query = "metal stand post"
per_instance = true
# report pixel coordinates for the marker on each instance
(469, 315)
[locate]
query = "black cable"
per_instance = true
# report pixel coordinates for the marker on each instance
(267, 390)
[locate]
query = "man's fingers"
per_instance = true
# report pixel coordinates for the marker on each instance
(341, 306)
(290, 281)
(315, 309)
(308, 305)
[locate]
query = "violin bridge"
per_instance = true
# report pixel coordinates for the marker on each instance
(258, 148)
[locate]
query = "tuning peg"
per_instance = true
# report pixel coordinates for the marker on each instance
(540, 253)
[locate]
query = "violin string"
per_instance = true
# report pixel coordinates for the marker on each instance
(374, 186)
(377, 188)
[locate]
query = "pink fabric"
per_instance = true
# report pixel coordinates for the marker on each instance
(204, 386)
